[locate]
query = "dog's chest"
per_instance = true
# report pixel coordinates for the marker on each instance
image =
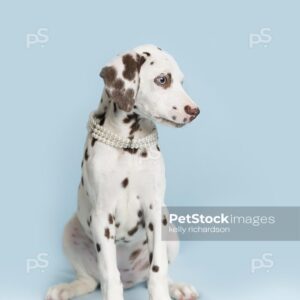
(129, 220)
(126, 181)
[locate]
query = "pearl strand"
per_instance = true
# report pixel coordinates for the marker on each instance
(109, 138)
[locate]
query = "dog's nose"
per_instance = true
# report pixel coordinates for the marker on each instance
(194, 112)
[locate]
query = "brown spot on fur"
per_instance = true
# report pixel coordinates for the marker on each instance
(86, 154)
(155, 268)
(110, 219)
(151, 206)
(135, 125)
(93, 141)
(140, 213)
(157, 147)
(174, 107)
(133, 230)
(118, 225)
(135, 254)
(150, 257)
(140, 61)
(151, 227)
(101, 117)
(131, 66)
(115, 107)
(107, 233)
(119, 84)
(127, 119)
(82, 181)
(98, 247)
(131, 117)
(147, 53)
(102, 120)
(145, 242)
(131, 150)
(164, 220)
(173, 118)
(109, 75)
(124, 100)
(144, 153)
(125, 182)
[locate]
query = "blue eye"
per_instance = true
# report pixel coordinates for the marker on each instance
(161, 80)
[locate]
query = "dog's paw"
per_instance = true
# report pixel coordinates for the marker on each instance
(58, 292)
(182, 291)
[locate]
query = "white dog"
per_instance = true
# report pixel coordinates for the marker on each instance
(115, 237)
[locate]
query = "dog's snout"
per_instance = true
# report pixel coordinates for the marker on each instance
(194, 112)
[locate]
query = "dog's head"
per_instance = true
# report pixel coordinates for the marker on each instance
(148, 81)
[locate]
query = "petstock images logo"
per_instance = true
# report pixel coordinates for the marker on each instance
(232, 223)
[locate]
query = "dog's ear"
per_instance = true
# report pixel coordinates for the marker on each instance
(121, 79)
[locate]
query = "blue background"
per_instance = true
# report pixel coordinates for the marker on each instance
(242, 150)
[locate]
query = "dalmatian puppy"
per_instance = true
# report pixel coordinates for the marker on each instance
(115, 237)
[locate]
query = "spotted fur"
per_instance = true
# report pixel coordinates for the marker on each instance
(115, 233)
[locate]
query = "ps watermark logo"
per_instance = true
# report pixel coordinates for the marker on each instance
(264, 38)
(41, 38)
(40, 262)
(266, 262)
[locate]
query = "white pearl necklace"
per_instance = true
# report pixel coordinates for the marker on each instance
(109, 138)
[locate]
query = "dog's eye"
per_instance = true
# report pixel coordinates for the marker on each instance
(163, 80)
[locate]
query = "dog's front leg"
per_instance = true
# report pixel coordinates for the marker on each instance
(103, 231)
(158, 276)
